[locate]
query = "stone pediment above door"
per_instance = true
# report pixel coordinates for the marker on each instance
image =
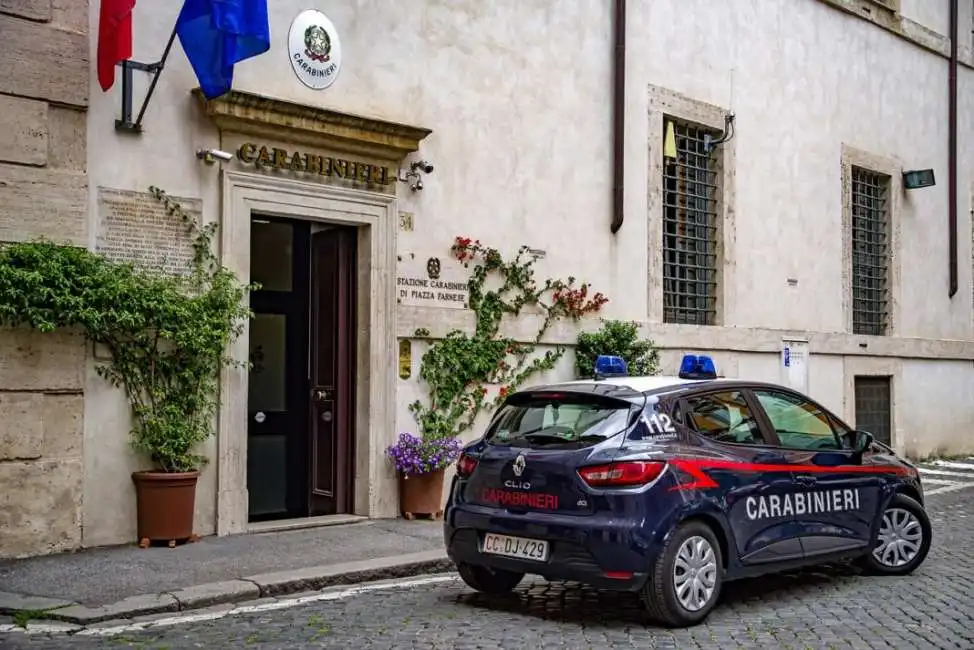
(311, 126)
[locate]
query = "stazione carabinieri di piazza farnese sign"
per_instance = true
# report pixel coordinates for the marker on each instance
(428, 284)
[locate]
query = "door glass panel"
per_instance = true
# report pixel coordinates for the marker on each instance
(266, 389)
(267, 474)
(799, 423)
(723, 417)
(271, 252)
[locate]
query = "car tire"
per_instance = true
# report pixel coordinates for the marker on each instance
(660, 597)
(903, 516)
(489, 581)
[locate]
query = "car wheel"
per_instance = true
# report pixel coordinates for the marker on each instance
(685, 581)
(903, 540)
(489, 581)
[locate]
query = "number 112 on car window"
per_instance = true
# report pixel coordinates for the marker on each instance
(660, 423)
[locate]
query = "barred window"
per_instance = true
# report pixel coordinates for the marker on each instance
(690, 220)
(870, 252)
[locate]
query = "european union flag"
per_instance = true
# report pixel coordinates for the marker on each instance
(217, 34)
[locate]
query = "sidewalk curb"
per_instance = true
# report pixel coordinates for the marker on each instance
(247, 588)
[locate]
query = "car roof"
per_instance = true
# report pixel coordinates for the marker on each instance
(649, 384)
(629, 387)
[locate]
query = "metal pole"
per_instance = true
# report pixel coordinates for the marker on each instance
(155, 78)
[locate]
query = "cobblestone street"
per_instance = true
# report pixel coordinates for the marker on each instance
(826, 608)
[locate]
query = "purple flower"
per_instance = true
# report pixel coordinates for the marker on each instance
(415, 455)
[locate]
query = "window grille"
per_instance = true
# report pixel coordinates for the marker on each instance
(870, 252)
(690, 220)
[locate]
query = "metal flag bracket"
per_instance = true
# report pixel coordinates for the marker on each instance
(125, 124)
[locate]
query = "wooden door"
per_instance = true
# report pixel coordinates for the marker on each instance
(333, 342)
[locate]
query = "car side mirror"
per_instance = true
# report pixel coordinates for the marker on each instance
(862, 441)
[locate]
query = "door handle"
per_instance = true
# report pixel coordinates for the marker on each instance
(805, 479)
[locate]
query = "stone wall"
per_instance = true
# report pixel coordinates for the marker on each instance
(44, 76)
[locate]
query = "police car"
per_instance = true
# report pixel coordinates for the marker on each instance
(671, 486)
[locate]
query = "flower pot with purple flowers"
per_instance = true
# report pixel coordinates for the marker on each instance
(420, 463)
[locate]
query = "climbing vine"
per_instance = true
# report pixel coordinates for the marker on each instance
(167, 335)
(456, 367)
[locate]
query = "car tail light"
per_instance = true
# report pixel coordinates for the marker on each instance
(466, 465)
(626, 474)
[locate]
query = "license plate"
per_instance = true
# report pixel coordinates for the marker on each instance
(519, 547)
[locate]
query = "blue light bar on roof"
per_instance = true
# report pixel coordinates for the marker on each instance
(610, 366)
(697, 366)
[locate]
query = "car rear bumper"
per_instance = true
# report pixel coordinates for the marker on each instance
(614, 554)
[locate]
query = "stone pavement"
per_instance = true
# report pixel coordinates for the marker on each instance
(108, 583)
(826, 608)
(941, 476)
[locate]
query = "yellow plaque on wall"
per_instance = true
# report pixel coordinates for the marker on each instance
(405, 358)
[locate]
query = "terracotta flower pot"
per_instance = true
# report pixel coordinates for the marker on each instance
(166, 502)
(421, 494)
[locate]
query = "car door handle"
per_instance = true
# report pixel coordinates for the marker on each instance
(805, 479)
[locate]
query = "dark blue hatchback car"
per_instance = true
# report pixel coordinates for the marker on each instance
(670, 486)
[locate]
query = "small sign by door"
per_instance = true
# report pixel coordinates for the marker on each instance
(405, 359)
(794, 364)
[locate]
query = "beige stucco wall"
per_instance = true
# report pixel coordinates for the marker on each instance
(43, 101)
(518, 97)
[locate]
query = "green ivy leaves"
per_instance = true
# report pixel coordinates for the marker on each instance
(618, 338)
(167, 335)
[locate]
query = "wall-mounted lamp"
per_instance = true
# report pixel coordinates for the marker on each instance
(709, 142)
(917, 178)
(210, 156)
(415, 168)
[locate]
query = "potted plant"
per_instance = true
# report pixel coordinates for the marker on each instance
(166, 335)
(420, 462)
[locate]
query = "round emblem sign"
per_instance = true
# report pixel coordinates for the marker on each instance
(314, 48)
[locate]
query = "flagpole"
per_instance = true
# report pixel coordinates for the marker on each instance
(126, 124)
(155, 78)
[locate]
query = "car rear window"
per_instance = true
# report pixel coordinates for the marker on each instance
(559, 420)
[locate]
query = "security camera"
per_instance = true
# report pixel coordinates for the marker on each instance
(209, 156)
(418, 185)
(423, 165)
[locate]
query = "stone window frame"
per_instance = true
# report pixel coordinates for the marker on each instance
(853, 157)
(670, 104)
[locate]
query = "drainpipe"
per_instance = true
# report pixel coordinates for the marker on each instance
(952, 149)
(619, 116)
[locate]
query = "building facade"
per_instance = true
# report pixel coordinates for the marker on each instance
(765, 220)
(44, 92)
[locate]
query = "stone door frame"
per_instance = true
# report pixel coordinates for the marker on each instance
(375, 215)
